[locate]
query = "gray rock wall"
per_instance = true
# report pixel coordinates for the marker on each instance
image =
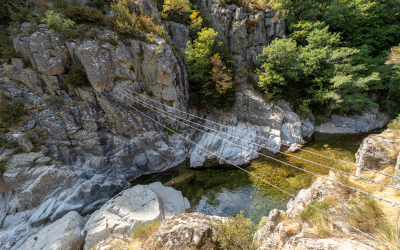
(231, 23)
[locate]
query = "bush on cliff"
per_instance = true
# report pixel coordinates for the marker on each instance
(176, 11)
(10, 111)
(236, 233)
(7, 51)
(56, 23)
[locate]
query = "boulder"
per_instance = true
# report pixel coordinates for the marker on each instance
(132, 207)
(98, 63)
(374, 152)
(22, 160)
(66, 233)
(369, 120)
(179, 34)
(49, 52)
(22, 140)
(185, 231)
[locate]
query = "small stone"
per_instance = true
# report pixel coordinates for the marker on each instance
(17, 62)
(30, 124)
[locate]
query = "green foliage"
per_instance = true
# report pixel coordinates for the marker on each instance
(203, 90)
(7, 51)
(53, 101)
(19, 11)
(112, 39)
(101, 4)
(11, 111)
(348, 89)
(35, 142)
(128, 24)
(372, 22)
(125, 19)
(176, 10)
(2, 168)
(81, 15)
(56, 23)
(76, 77)
(170, 130)
(236, 233)
(279, 64)
(395, 124)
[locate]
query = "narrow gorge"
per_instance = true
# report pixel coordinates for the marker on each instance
(103, 132)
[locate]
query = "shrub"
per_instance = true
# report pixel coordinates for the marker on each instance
(101, 4)
(2, 168)
(7, 51)
(77, 77)
(236, 233)
(395, 124)
(195, 24)
(56, 23)
(82, 15)
(111, 39)
(149, 25)
(125, 20)
(35, 142)
(222, 81)
(41, 7)
(203, 91)
(11, 111)
(53, 101)
(19, 11)
(176, 10)
(170, 130)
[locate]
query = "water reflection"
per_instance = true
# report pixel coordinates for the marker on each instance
(224, 191)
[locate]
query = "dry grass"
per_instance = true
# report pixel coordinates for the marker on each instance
(322, 224)
(142, 233)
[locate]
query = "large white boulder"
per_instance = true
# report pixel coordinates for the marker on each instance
(64, 234)
(132, 207)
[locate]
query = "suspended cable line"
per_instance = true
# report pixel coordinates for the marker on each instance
(366, 193)
(262, 146)
(327, 157)
(357, 230)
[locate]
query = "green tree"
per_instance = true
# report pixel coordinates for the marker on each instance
(372, 22)
(206, 92)
(280, 65)
(348, 89)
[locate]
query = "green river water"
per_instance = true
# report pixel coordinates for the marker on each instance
(225, 191)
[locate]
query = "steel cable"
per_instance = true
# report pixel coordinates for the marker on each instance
(327, 157)
(371, 237)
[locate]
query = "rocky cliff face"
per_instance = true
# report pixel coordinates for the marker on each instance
(245, 30)
(92, 141)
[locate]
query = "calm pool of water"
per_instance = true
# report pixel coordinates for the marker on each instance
(225, 191)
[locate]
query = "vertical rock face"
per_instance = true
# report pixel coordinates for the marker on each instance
(179, 34)
(245, 30)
